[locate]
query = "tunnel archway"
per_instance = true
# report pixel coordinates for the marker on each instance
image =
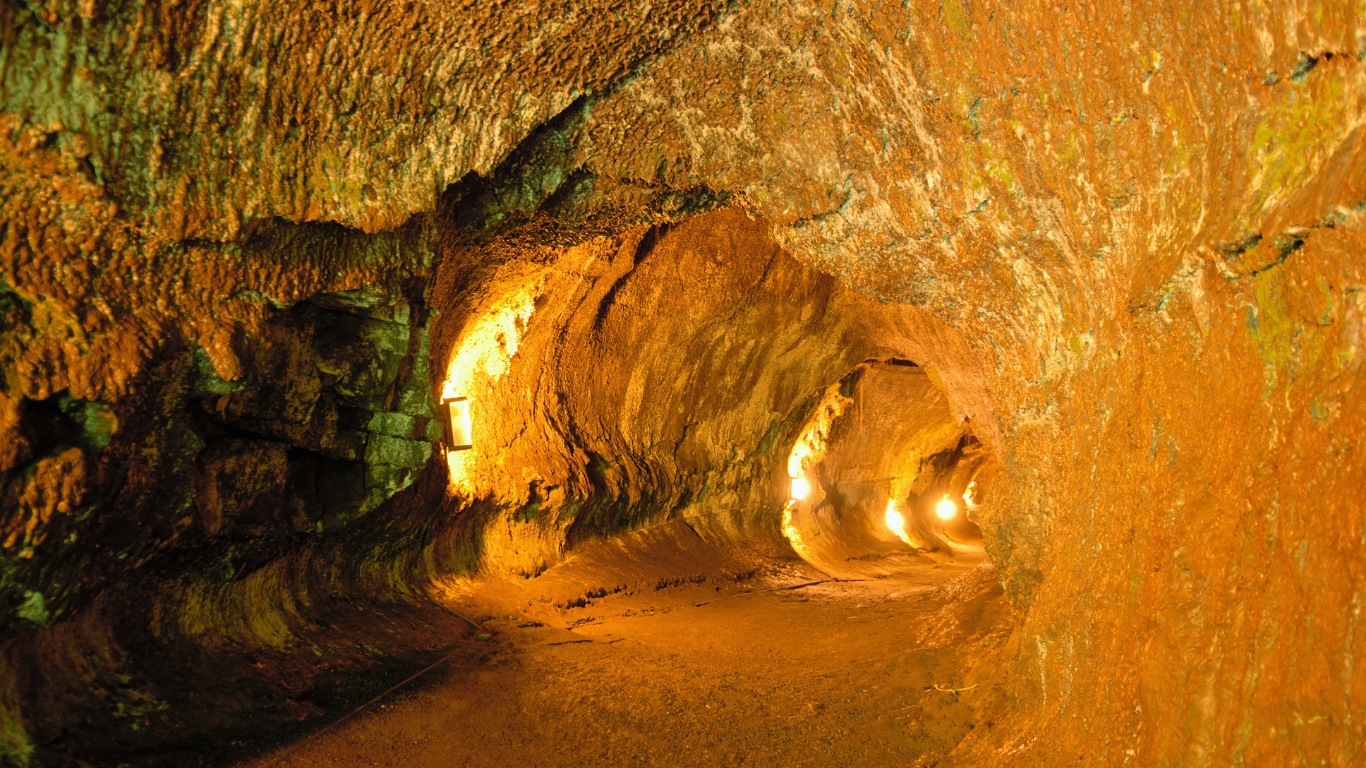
(1126, 244)
(879, 475)
(660, 375)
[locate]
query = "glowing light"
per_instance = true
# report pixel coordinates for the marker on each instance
(793, 535)
(483, 356)
(811, 445)
(946, 509)
(461, 436)
(968, 495)
(894, 519)
(896, 522)
(807, 452)
(488, 348)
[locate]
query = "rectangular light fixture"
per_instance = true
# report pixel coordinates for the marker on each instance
(458, 433)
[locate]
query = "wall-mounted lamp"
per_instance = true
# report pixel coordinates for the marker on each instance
(458, 433)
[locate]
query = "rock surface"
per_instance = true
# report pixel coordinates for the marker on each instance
(245, 249)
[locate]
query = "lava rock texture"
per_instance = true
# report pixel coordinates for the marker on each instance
(243, 248)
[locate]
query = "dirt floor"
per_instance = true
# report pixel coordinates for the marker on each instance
(779, 667)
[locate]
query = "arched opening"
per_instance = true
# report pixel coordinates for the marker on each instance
(880, 476)
(672, 374)
(639, 409)
(619, 494)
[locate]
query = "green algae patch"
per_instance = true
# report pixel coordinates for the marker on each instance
(95, 420)
(1285, 343)
(1272, 327)
(1296, 136)
(34, 609)
(956, 17)
(16, 748)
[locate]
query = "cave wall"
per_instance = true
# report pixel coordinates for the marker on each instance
(1136, 231)
(1204, 590)
(664, 372)
(1140, 216)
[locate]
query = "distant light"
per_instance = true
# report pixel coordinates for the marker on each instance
(969, 495)
(459, 435)
(896, 522)
(946, 509)
(801, 488)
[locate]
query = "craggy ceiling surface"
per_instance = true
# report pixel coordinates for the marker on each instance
(1127, 237)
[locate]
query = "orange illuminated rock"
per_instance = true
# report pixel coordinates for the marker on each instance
(245, 250)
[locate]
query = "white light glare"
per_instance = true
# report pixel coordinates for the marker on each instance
(461, 432)
(801, 488)
(896, 522)
(946, 509)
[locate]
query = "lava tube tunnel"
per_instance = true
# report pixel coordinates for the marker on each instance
(884, 476)
(673, 377)
(682, 383)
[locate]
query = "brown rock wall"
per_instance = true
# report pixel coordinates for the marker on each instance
(207, 116)
(1126, 238)
(1204, 596)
